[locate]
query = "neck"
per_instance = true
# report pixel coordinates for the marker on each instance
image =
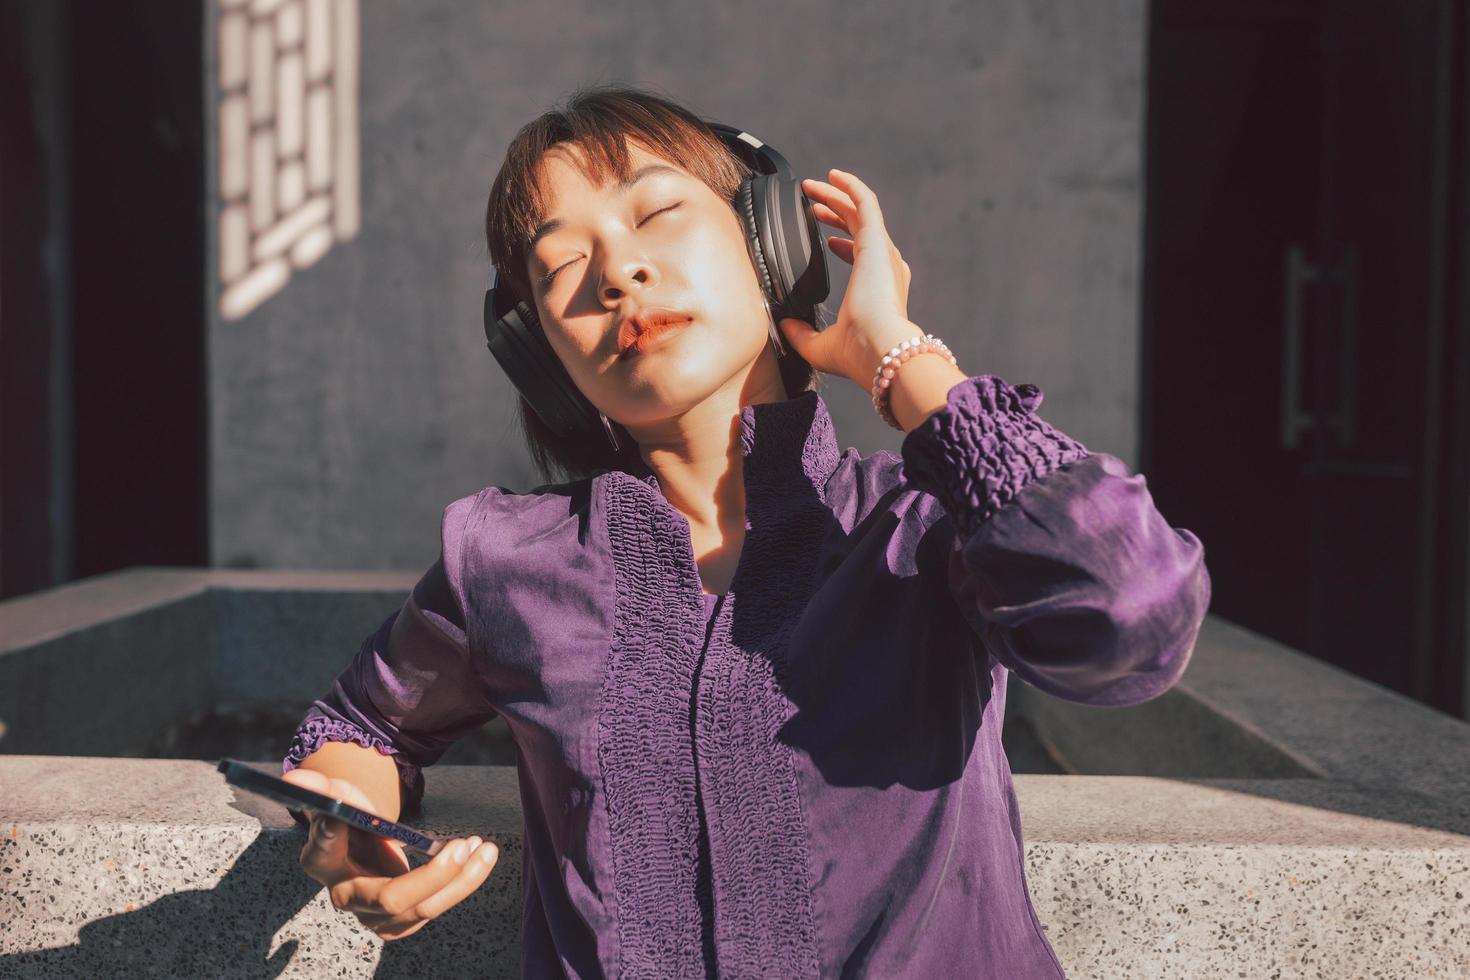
(697, 456)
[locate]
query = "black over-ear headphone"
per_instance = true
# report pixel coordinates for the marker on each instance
(787, 248)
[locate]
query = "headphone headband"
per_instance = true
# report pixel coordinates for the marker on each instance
(787, 249)
(760, 157)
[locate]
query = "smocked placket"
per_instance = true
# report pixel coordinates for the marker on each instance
(719, 773)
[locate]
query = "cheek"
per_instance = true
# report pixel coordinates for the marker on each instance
(727, 275)
(579, 347)
(570, 347)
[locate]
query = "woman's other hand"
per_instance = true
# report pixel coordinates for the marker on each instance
(874, 312)
(371, 878)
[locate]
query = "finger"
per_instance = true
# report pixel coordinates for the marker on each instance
(324, 856)
(333, 846)
(340, 789)
(307, 779)
(841, 247)
(827, 216)
(833, 197)
(347, 792)
(312, 780)
(798, 332)
(373, 855)
(395, 896)
(470, 877)
(384, 927)
(389, 931)
(862, 195)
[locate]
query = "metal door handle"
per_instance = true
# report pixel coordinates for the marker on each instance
(1299, 272)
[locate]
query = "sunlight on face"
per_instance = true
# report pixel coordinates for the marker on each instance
(668, 240)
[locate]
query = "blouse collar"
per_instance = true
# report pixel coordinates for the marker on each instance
(787, 446)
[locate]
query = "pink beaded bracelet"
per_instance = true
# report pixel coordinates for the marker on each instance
(893, 360)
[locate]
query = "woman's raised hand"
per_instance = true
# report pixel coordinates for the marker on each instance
(874, 312)
(370, 877)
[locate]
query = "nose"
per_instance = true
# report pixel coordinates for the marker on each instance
(620, 277)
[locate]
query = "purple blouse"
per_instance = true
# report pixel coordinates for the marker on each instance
(804, 776)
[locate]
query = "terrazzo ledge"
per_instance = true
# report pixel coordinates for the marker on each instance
(1268, 816)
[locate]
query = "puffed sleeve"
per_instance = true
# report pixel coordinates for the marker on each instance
(412, 689)
(1060, 561)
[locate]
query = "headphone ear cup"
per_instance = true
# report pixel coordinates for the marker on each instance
(787, 245)
(525, 355)
(745, 205)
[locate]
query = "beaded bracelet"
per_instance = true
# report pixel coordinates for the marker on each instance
(892, 361)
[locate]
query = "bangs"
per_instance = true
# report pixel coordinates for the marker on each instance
(599, 122)
(604, 158)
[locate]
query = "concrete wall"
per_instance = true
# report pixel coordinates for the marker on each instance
(1004, 139)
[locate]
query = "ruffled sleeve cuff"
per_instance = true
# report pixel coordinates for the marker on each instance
(987, 443)
(318, 729)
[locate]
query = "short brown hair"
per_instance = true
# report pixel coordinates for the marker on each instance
(599, 119)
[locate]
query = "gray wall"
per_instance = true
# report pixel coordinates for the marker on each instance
(1004, 140)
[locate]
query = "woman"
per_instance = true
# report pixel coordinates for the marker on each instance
(756, 683)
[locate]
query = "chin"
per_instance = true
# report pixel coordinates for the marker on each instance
(674, 392)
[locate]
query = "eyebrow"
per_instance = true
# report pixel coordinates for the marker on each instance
(623, 186)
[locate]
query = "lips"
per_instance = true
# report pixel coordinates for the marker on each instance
(639, 331)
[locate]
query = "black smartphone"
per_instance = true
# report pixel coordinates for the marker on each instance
(241, 775)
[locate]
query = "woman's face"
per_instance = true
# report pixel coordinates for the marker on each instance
(664, 240)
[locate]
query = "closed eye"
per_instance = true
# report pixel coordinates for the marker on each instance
(546, 279)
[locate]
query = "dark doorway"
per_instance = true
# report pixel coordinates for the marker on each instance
(139, 331)
(1302, 336)
(102, 460)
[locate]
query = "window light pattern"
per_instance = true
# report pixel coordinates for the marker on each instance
(288, 141)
